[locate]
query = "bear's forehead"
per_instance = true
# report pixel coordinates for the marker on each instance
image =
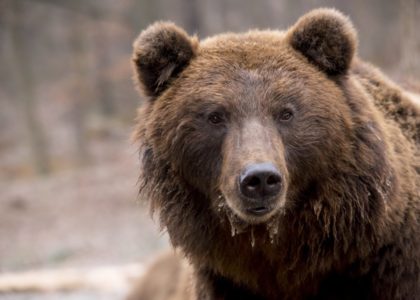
(253, 65)
(231, 80)
(248, 65)
(242, 88)
(256, 39)
(255, 54)
(248, 50)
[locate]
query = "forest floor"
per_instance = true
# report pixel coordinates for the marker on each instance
(86, 218)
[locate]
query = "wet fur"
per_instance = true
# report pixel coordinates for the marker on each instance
(350, 226)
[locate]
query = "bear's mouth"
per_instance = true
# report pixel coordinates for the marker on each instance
(247, 216)
(249, 213)
(255, 224)
(258, 211)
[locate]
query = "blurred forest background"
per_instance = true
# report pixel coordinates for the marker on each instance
(67, 107)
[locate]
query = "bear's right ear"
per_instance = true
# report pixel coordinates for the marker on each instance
(161, 52)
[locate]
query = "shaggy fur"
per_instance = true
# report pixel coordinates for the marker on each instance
(346, 224)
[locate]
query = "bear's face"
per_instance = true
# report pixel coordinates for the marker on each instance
(249, 121)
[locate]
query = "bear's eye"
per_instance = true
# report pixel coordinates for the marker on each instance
(215, 118)
(285, 115)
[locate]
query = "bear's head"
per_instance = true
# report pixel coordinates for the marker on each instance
(256, 125)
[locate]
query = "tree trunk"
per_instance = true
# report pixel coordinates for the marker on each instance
(410, 38)
(24, 83)
(78, 44)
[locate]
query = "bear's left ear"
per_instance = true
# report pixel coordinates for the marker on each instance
(161, 52)
(326, 38)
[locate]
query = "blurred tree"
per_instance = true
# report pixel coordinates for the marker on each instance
(103, 61)
(410, 37)
(92, 9)
(141, 13)
(80, 62)
(25, 86)
(192, 18)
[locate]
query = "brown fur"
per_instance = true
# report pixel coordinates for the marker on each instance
(346, 223)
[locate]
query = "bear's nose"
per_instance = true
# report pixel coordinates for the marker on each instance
(260, 181)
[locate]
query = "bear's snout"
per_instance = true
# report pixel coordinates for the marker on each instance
(258, 185)
(254, 176)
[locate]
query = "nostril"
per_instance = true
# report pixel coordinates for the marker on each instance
(253, 182)
(273, 180)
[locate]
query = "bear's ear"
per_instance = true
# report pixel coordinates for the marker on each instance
(161, 52)
(326, 38)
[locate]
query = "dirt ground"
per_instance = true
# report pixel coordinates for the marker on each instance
(77, 219)
(77, 295)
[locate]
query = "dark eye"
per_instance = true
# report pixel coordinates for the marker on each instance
(215, 118)
(285, 115)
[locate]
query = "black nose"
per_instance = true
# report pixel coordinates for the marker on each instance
(259, 181)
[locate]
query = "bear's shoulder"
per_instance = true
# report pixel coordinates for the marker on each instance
(395, 103)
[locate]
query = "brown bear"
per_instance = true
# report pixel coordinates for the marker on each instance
(281, 165)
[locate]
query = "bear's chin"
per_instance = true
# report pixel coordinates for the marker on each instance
(264, 228)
